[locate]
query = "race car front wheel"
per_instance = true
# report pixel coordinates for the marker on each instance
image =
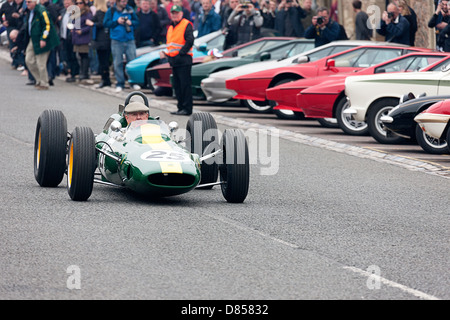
(235, 167)
(81, 164)
(50, 148)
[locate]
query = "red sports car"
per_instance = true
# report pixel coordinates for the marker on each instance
(253, 86)
(328, 99)
(287, 96)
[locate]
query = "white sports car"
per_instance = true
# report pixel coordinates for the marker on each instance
(373, 96)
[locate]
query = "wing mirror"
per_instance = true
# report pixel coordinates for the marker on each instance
(115, 126)
(264, 56)
(173, 126)
(330, 64)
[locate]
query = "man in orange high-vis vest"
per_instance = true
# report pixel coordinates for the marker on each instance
(179, 40)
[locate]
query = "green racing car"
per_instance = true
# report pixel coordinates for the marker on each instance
(146, 156)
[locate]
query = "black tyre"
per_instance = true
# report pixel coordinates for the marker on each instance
(50, 146)
(257, 106)
(81, 164)
(203, 140)
(429, 144)
(284, 114)
(376, 127)
(328, 122)
(235, 167)
(346, 123)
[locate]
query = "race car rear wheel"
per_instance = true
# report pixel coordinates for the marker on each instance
(50, 145)
(203, 139)
(81, 164)
(235, 167)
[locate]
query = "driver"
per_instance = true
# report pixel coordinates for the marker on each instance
(136, 111)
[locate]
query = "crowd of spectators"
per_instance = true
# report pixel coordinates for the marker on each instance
(95, 39)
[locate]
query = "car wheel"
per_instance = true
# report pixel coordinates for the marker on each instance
(235, 167)
(328, 122)
(81, 164)
(376, 127)
(50, 146)
(429, 144)
(203, 139)
(284, 114)
(257, 106)
(346, 123)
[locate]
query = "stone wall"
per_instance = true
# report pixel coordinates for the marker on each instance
(424, 9)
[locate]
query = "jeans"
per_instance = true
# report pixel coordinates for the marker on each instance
(118, 50)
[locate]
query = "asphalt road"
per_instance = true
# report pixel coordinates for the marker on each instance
(322, 220)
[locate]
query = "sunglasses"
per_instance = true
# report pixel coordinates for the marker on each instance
(79, 2)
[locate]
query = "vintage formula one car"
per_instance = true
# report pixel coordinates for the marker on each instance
(146, 156)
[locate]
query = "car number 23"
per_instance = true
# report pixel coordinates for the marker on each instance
(164, 155)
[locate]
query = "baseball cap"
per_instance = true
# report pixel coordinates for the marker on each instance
(176, 8)
(135, 106)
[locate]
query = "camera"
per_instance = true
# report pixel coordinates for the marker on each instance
(390, 15)
(244, 6)
(127, 27)
(319, 20)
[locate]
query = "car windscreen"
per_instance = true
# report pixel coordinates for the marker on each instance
(148, 131)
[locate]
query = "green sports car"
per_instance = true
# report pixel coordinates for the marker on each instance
(146, 156)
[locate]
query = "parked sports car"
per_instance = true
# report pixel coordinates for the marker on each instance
(159, 75)
(328, 99)
(135, 69)
(400, 122)
(435, 120)
(280, 51)
(253, 86)
(214, 86)
(144, 156)
(372, 96)
(319, 102)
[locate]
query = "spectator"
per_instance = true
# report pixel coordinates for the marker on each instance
(52, 67)
(101, 42)
(81, 37)
(121, 21)
(394, 26)
(164, 19)
(439, 21)
(208, 20)
(230, 31)
(149, 26)
(268, 11)
(362, 31)
(11, 19)
(248, 22)
(180, 39)
(17, 49)
(410, 15)
(42, 37)
(323, 30)
(288, 19)
(67, 55)
(186, 12)
(196, 8)
(309, 13)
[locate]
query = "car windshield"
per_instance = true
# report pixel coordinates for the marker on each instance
(148, 131)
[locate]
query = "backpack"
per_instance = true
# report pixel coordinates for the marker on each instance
(342, 33)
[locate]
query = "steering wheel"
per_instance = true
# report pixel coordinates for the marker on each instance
(136, 93)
